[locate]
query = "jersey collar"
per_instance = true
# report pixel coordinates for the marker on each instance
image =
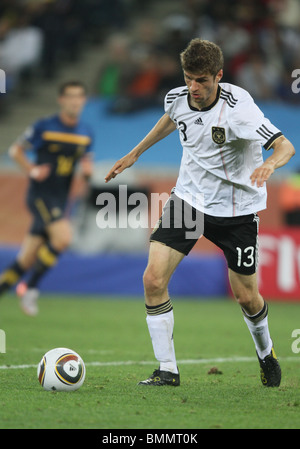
(207, 107)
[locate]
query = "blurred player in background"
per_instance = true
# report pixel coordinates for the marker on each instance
(222, 132)
(58, 143)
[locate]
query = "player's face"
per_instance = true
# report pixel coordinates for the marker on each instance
(202, 88)
(72, 101)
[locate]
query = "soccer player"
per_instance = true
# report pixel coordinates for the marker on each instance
(58, 143)
(222, 132)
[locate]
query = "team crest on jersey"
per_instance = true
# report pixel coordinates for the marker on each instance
(218, 134)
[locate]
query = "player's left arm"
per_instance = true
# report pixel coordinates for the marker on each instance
(283, 150)
(86, 165)
(81, 188)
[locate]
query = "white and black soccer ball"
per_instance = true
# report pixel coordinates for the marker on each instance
(61, 369)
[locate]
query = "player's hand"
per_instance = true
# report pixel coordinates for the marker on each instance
(262, 174)
(126, 162)
(40, 172)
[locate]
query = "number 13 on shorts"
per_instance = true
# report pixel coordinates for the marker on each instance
(245, 257)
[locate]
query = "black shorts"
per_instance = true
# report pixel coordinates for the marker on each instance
(181, 225)
(45, 210)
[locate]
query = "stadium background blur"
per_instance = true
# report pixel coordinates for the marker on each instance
(127, 53)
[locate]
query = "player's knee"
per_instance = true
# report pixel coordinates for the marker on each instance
(60, 235)
(61, 241)
(245, 297)
(26, 261)
(153, 283)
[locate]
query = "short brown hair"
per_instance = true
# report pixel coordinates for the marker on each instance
(64, 86)
(202, 56)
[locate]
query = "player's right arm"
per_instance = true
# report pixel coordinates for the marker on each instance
(162, 129)
(37, 172)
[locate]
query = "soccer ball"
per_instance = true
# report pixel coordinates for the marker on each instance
(61, 369)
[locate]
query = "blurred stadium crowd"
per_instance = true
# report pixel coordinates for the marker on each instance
(260, 40)
(37, 36)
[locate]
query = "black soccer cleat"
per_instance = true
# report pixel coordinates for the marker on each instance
(160, 378)
(270, 371)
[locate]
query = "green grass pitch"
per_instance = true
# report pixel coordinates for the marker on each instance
(112, 337)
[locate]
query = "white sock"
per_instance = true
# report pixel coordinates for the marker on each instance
(261, 336)
(161, 332)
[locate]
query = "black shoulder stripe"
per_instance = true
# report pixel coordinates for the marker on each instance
(229, 94)
(171, 97)
(176, 94)
(228, 100)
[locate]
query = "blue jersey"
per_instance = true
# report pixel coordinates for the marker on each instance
(61, 146)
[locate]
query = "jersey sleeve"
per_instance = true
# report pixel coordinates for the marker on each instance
(248, 122)
(90, 147)
(168, 107)
(32, 136)
(170, 101)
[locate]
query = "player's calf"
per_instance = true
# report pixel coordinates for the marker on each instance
(10, 276)
(270, 371)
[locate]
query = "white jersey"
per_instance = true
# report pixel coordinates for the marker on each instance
(222, 146)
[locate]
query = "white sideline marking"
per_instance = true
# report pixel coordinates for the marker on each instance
(180, 362)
